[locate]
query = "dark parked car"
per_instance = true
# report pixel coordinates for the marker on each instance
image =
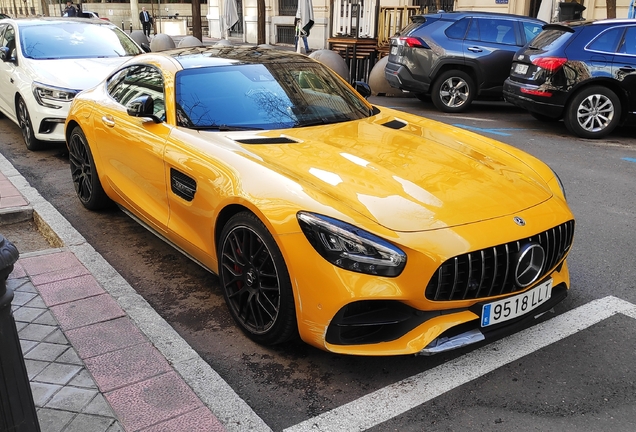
(583, 72)
(453, 57)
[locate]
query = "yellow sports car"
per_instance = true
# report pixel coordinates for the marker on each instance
(360, 229)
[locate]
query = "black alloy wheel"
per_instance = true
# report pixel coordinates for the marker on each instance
(594, 112)
(255, 281)
(24, 121)
(453, 91)
(84, 174)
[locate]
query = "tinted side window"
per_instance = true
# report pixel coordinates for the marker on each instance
(493, 31)
(628, 46)
(136, 81)
(531, 30)
(458, 30)
(607, 41)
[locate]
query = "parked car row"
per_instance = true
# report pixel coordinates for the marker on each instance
(583, 72)
(359, 229)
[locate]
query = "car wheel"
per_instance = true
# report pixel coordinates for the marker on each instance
(594, 112)
(84, 174)
(453, 91)
(24, 121)
(255, 281)
(543, 117)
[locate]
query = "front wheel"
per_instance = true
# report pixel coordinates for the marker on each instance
(24, 121)
(594, 112)
(255, 281)
(453, 91)
(84, 173)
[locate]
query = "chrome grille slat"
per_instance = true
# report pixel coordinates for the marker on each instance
(474, 276)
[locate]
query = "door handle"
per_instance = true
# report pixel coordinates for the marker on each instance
(475, 49)
(627, 69)
(108, 121)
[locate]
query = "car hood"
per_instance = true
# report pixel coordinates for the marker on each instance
(416, 178)
(76, 74)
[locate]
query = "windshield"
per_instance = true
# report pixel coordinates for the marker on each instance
(75, 40)
(257, 96)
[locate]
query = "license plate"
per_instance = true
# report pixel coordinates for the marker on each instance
(521, 68)
(394, 50)
(513, 307)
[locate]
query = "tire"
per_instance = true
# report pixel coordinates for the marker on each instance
(84, 173)
(453, 91)
(24, 121)
(544, 118)
(255, 281)
(594, 112)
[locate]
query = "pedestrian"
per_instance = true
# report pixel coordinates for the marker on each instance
(300, 32)
(146, 21)
(70, 10)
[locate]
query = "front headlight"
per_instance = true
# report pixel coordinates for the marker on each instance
(350, 247)
(50, 96)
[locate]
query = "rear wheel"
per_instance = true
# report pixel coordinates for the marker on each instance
(24, 121)
(594, 112)
(255, 281)
(84, 174)
(453, 91)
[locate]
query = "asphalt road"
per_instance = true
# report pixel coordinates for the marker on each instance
(574, 371)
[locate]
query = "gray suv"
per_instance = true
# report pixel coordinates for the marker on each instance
(453, 57)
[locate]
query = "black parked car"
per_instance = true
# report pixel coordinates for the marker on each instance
(583, 72)
(453, 57)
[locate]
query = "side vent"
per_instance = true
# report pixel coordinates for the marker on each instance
(394, 124)
(182, 185)
(264, 140)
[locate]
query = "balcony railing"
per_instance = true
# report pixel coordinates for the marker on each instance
(354, 18)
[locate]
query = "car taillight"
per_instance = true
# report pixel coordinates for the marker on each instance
(550, 64)
(413, 42)
(536, 92)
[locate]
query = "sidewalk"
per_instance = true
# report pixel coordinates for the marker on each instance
(99, 358)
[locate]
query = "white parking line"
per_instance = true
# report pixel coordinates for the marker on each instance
(396, 399)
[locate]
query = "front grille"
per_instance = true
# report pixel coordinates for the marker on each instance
(490, 272)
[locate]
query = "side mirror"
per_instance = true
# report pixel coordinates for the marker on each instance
(5, 54)
(363, 88)
(145, 47)
(143, 106)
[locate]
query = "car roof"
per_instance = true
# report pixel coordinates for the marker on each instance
(457, 15)
(204, 56)
(36, 21)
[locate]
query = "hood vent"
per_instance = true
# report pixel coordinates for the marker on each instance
(265, 140)
(395, 124)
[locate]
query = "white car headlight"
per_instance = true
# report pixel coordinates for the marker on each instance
(50, 96)
(350, 247)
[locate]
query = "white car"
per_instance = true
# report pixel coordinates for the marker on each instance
(45, 62)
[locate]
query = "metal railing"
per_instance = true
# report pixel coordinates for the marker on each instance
(393, 19)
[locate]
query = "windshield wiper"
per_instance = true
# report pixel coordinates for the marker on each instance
(224, 128)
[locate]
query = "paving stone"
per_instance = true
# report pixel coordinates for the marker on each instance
(116, 427)
(21, 298)
(27, 314)
(71, 399)
(87, 311)
(36, 332)
(199, 420)
(19, 325)
(43, 392)
(70, 356)
(69, 290)
(56, 373)
(99, 406)
(92, 423)
(27, 345)
(34, 367)
(46, 263)
(57, 337)
(54, 420)
(103, 337)
(37, 302)
(46, 351)
(46, 319)
(83, 379)
(20, 284)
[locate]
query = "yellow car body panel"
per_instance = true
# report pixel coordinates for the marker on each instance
(425, 187)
